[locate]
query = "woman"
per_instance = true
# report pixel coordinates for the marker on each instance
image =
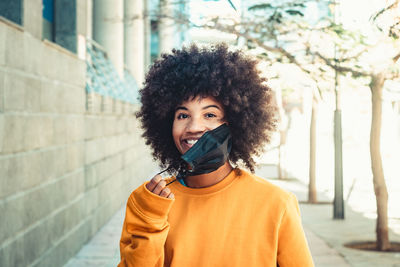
(205, 111)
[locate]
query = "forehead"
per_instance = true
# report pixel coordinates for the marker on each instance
(201, 102)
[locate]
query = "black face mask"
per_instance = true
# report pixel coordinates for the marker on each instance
(209, 153)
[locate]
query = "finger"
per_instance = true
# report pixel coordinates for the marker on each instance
(153, 182)
(159, 187)
(165, 192)
(171, 196)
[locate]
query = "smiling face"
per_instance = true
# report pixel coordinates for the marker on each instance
(193, 118)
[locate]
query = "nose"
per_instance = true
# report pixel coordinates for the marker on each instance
(196, 125)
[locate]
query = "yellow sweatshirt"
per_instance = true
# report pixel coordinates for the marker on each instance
(241, 221)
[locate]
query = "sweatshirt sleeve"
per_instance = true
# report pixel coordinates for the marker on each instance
(145, 229)
(292, 244)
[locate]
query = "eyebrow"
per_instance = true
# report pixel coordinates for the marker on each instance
(206, 107)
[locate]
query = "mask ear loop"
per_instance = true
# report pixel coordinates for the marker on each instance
(165, 171)
(181, 175)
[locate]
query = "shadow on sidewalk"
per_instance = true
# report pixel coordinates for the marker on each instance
(318, 222)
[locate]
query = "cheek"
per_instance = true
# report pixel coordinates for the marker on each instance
(176, 132)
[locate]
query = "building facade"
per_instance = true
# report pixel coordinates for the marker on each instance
(70, 146)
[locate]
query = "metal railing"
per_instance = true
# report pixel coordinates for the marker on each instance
(102, 77)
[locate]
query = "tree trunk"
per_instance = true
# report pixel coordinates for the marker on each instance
(283, 128)
(382, 234)
(312, 191)
(281, 168)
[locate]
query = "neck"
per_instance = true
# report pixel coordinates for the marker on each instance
(209, 179)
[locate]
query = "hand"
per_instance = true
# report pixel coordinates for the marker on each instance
(157, 185)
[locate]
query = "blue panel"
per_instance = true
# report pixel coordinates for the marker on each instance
(48, 10)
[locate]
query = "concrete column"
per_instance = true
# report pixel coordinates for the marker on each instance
(147, 36)
(108, 30)
(89, 19)
(32, 20)
(166, 26)
(134, 38)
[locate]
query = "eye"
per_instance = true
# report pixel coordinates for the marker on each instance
(210, 115)
(182, 116)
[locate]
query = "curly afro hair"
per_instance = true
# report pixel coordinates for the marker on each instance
(230, 77)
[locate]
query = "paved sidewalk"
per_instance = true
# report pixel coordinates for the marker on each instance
(103, 249)
(325, 236)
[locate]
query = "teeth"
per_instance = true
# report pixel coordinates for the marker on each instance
(191, 142)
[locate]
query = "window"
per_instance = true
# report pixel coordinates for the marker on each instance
(48, 19)
(154, 40)
(12, 10)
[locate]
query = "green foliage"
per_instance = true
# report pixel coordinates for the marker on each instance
(260, 7)
(294, 12)
(392, 30)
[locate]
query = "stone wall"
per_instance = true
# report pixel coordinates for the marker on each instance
(68, 161)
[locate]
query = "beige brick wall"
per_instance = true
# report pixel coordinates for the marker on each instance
(66, 165)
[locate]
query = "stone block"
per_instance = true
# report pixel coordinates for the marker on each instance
(32, 94)
(91, 176)
(12, 210)
(11, 171)
(33, 50)
(68, 129)
(125, 140)
(93, 127)
(2, 74)
(50, 96)
(73, 99)
(111, 145)
(51, 61)
(14, 92)
(28, 208)
(39, 132)
(66, 219)
(51, 164)
(69, 69)
(94, 103)
(91, 201)
(132, 125)
(103, 213)
(3, 43)
(75, 128)
(60, 129)
(109, 166)
(24, 171)
(14, 47)
(41, 238)
(107, 105)
(67, 247)
(63, 98)
(36, 241)
(74, 182)
(107, 187)
(75, 156)
(108, 125)
(2, 133)
(76, 71)
(117, 107)
(94, 151)
(20, 92)
(13, 254)
(14, 133)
